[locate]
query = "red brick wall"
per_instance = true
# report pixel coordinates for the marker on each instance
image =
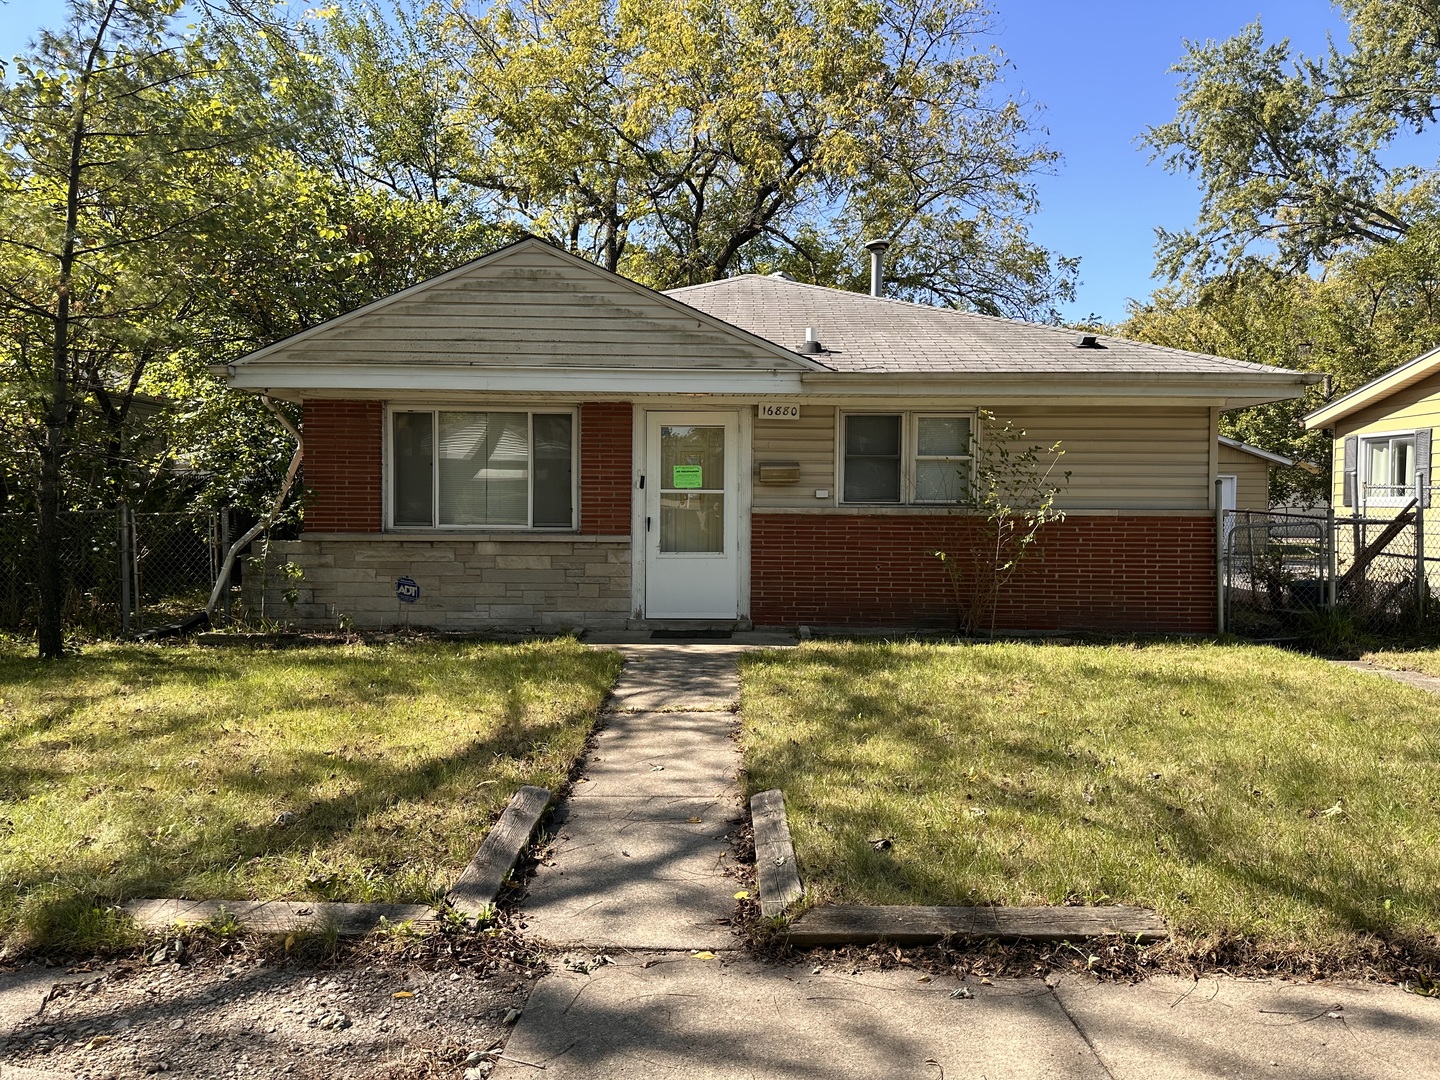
(1097, 573)
(342, 465)
(605, 467)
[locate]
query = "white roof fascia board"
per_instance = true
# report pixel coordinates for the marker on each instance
(485, 378)
(1228, 392)
(268, 353)
(1255, 451)
(1393, 381)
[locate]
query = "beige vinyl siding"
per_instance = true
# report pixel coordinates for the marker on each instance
(1124, 458)
(528, 310)
(1119, 458)
(1252, 478)
(1414, 407)
(810, 441)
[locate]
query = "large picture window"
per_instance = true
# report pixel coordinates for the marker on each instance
(908, 457)
(453, 468)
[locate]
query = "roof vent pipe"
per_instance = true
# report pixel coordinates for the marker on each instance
(811, 344)
(877, 249)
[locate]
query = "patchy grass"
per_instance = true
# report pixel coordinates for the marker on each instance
(358, 772)
(1242, 792)
(1425, 661)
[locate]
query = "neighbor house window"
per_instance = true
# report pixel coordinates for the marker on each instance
(1389, 467)
(908, 457)
(454, 468)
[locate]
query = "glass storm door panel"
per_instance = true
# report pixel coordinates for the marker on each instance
(691, 563)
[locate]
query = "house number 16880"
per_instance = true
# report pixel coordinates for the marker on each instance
(773, 411)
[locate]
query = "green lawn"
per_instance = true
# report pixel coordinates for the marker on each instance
(1243, 792)
(361, 773)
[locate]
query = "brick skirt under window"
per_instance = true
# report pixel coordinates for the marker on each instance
(1132, 573)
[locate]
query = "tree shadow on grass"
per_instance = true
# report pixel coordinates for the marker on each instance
(164, 838)
(1134, 810)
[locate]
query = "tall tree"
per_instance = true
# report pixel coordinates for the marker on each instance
(126, 144)
(677, 141)
(1293, 154)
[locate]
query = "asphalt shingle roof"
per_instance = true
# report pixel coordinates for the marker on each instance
(862, 333)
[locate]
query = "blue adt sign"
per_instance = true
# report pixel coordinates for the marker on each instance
(407, 590)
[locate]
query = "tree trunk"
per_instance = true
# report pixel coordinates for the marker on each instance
(50, 637)
(50, 630)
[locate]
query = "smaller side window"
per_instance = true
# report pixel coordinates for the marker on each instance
(1389, 467)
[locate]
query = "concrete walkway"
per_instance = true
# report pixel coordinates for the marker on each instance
(643, 852)
(1417, 679)
(634, 874)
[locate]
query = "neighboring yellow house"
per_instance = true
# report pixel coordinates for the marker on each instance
(1381, 439)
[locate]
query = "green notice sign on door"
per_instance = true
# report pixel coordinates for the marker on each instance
(686, 476)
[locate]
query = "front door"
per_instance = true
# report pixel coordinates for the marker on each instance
(692, 562)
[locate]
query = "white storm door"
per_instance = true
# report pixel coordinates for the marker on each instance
(692, 562)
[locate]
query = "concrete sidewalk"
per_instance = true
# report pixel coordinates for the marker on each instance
(675, 1015)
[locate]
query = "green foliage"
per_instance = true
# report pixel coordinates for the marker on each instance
(1012, 497)
(1333, 631)
(1290, 151)
(678, 143)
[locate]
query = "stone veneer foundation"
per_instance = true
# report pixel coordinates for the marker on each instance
(466, 582)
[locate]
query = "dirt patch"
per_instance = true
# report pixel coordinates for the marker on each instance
(381, 1011)
(1415, 966)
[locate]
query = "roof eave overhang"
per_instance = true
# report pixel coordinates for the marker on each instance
(1377, 390)
(318, 379)
(1255, 451)
(300, 380)
(1228, 391)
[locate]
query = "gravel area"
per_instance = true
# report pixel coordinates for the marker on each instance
(375, 1014)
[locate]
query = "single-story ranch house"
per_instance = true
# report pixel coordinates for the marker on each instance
(536, 442)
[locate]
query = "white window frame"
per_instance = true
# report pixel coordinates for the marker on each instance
(1391, 498)
(434, 410)
(909, 450)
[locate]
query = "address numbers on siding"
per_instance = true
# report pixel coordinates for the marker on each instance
(777, 410)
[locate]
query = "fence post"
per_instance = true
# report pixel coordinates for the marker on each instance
(1219, 557)
(224, 550)
(1421, 497)
(1332, 562)
(124, 568)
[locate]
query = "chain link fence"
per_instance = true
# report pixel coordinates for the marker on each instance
(1309, 575)
(122, 572)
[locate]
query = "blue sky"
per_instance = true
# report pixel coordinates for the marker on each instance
(1102, 72)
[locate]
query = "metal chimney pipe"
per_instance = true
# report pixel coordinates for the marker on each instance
(877, 249)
